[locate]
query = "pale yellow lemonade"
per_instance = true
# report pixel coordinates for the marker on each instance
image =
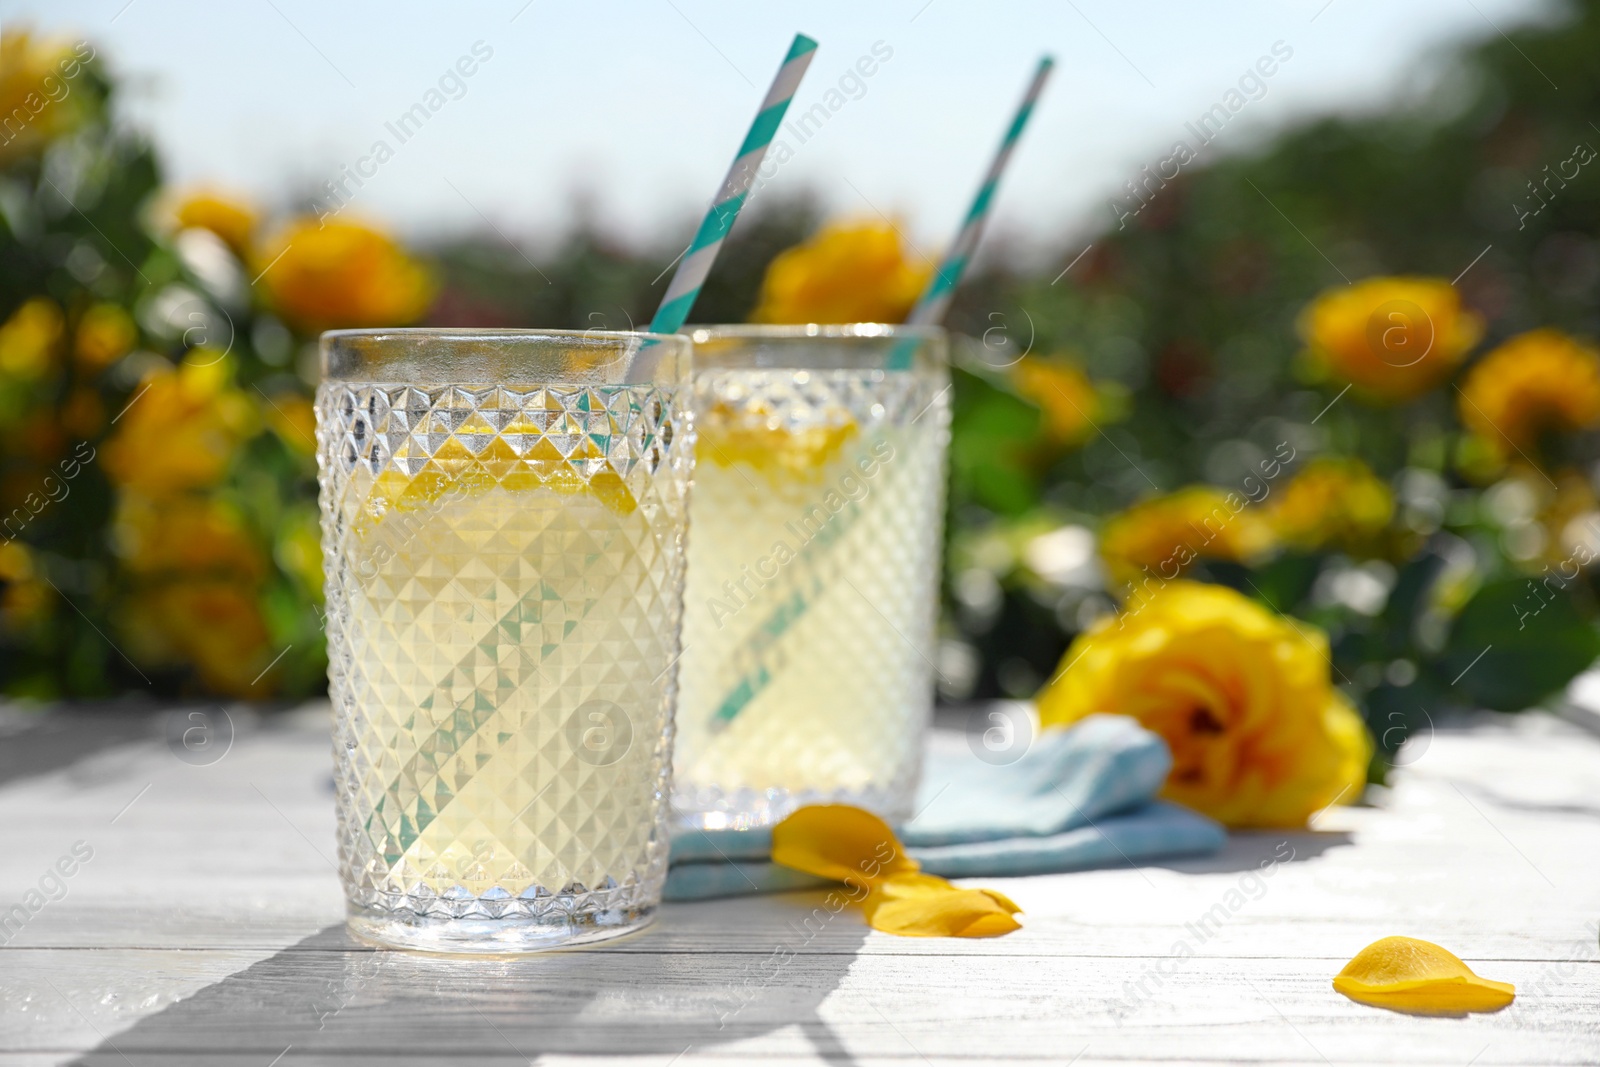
(500, 627)
(814, 530)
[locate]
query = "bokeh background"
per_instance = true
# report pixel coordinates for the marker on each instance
(1335, 352)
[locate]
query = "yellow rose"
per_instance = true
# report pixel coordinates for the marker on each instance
(1537, 382)
(30, 338)
(339, 274)
(38, 98)
(1069, 400)
(1392, 338)
(196, 572)
(1259, 736)
(105, 334)
(24, 596)
(1159, 538)
(214, 625)
(180, 429)
(1331, 501)
(231, 218)
(186, 535)
(846, 273)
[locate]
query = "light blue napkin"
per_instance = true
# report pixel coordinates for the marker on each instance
(1078, 798)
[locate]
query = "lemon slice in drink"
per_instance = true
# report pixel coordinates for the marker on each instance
(754, 437)
(447, 478)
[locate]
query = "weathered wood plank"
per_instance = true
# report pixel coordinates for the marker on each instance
(204, 929)
(334, 1004)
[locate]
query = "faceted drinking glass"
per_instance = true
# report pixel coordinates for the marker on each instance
(813, 570)
(503, 518)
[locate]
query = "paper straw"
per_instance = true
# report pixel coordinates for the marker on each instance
(930, 309)
(691, 273)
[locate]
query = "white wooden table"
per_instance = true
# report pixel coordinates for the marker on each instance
(206, 929)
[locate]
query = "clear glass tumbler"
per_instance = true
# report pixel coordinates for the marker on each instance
(503, 517)
(813, 570)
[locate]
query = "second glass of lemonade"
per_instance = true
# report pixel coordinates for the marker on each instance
(813, 570)
(504, 518)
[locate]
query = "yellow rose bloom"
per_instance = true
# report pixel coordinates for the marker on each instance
(38, 99)
(24, 597)
(185, 535)
(1536, 382)
(1259, 736)
(197, 574)
(341, 274)
(105, 334)
(846, 273)
(1069, 400)
(30, 338)
(1392, 338)
(180, 429)
(1159, 538)
(1332, 502)
(231, 218)
(213, 625)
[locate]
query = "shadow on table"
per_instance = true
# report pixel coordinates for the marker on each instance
(330, 998)
(1250, 850)
(32, 744)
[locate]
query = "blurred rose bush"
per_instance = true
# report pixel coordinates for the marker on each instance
(157, 475)
(1403, 464)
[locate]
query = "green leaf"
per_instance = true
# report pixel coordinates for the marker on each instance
(1516, 642)
(1408, 598)
(1285, 582)
(991, 434)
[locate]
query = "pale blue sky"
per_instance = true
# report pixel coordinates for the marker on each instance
(638, 105)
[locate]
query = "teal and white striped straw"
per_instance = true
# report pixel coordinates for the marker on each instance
(691, 273)
(930, 308)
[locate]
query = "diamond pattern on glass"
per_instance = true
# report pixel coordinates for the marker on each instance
(813, 565)
(497, 560)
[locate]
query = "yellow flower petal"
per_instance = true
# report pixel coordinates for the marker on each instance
(850, 845)
(840, 842)
(1412, 975)
(924, 905)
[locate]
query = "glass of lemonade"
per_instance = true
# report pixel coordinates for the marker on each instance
(503, 517)
(813, 570)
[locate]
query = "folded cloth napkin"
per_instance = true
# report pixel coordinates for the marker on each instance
(1077, 798)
